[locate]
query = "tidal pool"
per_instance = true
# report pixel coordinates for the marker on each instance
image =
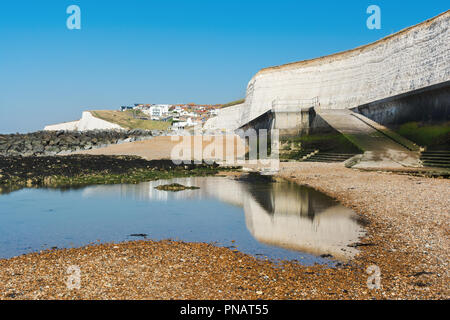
(277, 220)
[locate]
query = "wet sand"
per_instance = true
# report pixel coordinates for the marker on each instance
(407, 227)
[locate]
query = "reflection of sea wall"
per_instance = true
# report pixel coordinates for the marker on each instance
(328, 233)
(297, 218)
(289, 199)
(279, 214)
(411, 59)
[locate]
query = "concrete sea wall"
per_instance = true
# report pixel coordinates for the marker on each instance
(86, 123)
(414, 58)
(227, 119)
(431, 104)
(411, 59)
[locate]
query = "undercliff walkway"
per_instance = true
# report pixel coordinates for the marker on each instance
(382, 147)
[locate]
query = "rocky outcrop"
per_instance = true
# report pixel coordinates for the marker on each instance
(63, 142)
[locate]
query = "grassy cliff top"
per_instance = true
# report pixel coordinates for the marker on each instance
(126, 120)
(233, 103)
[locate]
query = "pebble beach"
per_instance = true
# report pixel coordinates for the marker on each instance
(407, 242)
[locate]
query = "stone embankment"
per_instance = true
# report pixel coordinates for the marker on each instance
(48, 143)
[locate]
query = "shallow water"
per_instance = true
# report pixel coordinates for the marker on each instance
(279, 220)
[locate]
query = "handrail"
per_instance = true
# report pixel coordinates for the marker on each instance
(301, 103)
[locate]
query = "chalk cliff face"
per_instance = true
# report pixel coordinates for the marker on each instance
(86, 123)
(411, 59)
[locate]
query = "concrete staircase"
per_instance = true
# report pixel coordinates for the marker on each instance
(329, 157)
(306, 154)
(382, 147)
(436, 159)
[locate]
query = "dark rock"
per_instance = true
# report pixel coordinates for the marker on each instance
(175, 187)
(359, 244)
(53, 142)
(421, 273)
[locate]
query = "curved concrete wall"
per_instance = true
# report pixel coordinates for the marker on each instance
(227, 118)
(411, 59)
(431, 104)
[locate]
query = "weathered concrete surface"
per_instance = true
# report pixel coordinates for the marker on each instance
(86, 123)
(408, 60)
(427, 104)
(380, 151)
(264, 122)
(227, 119)
(293, 122)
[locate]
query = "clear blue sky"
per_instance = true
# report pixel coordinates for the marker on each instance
(167, 51)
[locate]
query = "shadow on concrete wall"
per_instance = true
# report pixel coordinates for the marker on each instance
(430, 104)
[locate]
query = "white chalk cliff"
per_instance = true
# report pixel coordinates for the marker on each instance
(87, 122)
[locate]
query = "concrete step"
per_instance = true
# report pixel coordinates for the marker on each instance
(302, 155)
(337, 154)
(309, 154)
(329, 157)
(438, 158)
(435, 158)
(437, 154)
(438, 165)
(334, 156)
(388, 132)
(437, 151)
(427, 163)
(322, 160)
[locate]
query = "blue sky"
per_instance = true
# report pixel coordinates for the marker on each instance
(167, 51)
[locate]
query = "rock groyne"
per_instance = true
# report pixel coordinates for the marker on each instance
(49, 143)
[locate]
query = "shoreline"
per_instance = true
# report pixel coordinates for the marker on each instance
(73, 171)
(401, 239)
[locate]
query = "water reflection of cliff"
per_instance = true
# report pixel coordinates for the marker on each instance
(280, 214)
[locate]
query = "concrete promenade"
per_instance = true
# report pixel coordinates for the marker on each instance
(380, 151)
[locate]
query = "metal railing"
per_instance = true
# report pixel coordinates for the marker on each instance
(294, 105)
